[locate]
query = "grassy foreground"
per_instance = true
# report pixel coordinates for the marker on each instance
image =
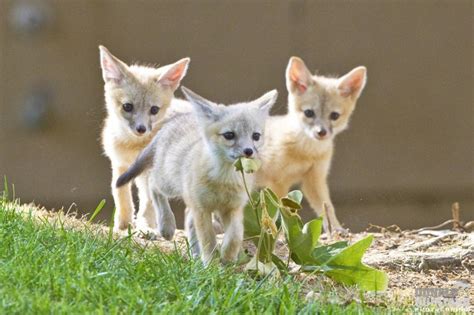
(50, 268)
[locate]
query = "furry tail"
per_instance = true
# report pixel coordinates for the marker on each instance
(142, 163)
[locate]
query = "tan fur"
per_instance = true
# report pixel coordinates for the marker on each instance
(142, 87)
(294, 153)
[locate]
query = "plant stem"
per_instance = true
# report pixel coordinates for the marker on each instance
(247, 190)
(254, 207)
(289, 257)
(259, 246)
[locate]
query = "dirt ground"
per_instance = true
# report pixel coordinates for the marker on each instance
(437, 257)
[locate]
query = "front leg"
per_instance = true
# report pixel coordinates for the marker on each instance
(233, 234)
(124, 208)
(315, 189)
(166, 219)
(191, 235)
(206, 236)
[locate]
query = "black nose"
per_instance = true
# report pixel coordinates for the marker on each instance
(141, 129)
(322, 132)
(248, 152)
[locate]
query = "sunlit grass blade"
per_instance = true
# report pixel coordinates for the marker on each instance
(97, 210)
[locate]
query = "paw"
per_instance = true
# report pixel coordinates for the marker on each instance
(342, 231)
(167, 226)
(148, 235)
(195, 252)
(336, 231)
(193, 244)
(167, 232)
(119, 231)
(332, 226)
(122, 228)
(208, 258)
(337, 228)
(229, 256)
(146, 232)
(228, 261)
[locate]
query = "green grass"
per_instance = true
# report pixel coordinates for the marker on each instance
(48, 268)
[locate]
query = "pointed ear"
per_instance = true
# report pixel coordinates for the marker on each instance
(353, 83)
(204, 108)
(266, 101)
(113, 69)
(298, 77)
(174, 73)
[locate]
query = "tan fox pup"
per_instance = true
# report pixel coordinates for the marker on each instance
(192, 157)
(137, 99)
(299, 145)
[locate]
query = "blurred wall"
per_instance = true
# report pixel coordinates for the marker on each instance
(406, 157)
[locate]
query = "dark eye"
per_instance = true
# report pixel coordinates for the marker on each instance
(256, 136)
(154, 110)
(229, 135)
(334, 116)
(309, 113)
(127, 107)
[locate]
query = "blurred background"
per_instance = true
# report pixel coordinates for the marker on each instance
(407, 156)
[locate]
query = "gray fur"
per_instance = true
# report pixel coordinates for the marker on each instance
(193, 161)
(142, 163)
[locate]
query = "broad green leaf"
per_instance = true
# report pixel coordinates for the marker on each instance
(296, 196)
(347, 267)
(251, 221)
(243, 257)
(352, 255)
(339, 261)
(247, 165)
(322, 254)
(365, 277)
(290, 203)
(238, 165)
(301, 239)
(315, 268)
(279, 263)
(271, 201)
(292, 224)
(308, 240)
(272, 195)
(273, 206)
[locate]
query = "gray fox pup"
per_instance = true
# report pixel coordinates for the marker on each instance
(192, 157)
(137, 99)
(299, 145)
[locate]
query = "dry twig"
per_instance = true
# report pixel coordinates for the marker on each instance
(455, 213)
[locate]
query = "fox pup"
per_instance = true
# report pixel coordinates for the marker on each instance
(137, 99)
(192, 157)
(299, 145)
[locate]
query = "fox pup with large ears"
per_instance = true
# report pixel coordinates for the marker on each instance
(192, 157)
(299, 145)
(137, 99)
